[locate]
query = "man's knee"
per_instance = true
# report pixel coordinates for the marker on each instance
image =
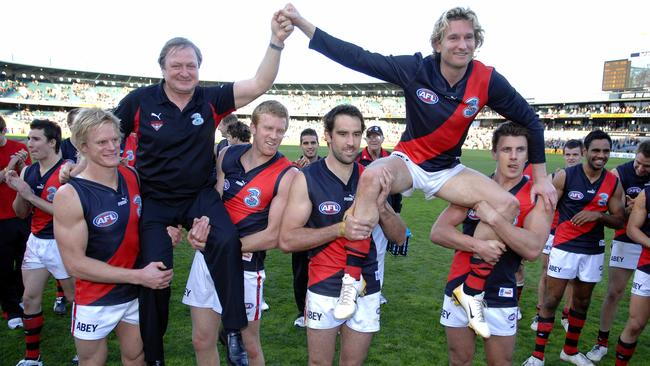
(370, 180)
(203, 339)
(615, 293)
(508, 207)
(133, 359)
(635, 326)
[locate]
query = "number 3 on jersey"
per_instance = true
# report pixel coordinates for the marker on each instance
(253, 198)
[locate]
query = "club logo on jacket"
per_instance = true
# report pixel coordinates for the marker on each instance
(427, 96)
(197, 120)
(156, 124)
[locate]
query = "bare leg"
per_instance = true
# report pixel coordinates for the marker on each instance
(91, 353)
(131, 346)
(205, 324)
(354, 346)
(321, 344)
(251, 337)
(499, 350)
(461, 343)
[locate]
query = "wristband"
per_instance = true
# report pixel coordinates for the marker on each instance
(275, 46)
(342, 229)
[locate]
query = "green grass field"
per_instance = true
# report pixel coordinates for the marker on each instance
(410, 334)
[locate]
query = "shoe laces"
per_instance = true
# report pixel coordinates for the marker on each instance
(348, 294)
(478, 305)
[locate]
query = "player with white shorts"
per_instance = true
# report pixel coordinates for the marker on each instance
(526, 239)
(638, 229)
(314, 220)
(97, 216)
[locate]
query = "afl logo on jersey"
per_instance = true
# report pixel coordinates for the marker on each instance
(602, 199)
(471, 214)
(427, 96)
(329, 208)
(633, 190)
(197, 120)
(576, 195)
(51, 191)
(105, 219)
(226, 184)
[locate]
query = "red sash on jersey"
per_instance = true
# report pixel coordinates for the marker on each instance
(266, 181)
(566, 231)
(86, 292)
(451, 131)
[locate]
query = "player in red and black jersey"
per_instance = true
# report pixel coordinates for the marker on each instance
(443, 94)
(525, 240)
(638, 229)
(624, 256)
(319, 196)
(36, 187)
(96, 218)
(254, 181)
(590, 199)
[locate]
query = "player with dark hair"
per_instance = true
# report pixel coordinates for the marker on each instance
(444, 92)
(36, 187)
(525, 240)
(319, 196)
(238, 133)
(176, 122)
(590, 199)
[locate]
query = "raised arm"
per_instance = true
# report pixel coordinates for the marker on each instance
(246, 91)
(71, 233)
(444, 233)
(269, 237)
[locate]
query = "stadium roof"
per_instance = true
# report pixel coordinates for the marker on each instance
(10, 70)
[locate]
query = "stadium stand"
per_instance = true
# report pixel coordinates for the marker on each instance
(28, 92)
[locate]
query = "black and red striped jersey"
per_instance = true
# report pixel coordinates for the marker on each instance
(247, 195)
(438, 115)
(330, 198)
(45, 187)
(112, 218)
(632, 186)
(501, 285)
(580, 194)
